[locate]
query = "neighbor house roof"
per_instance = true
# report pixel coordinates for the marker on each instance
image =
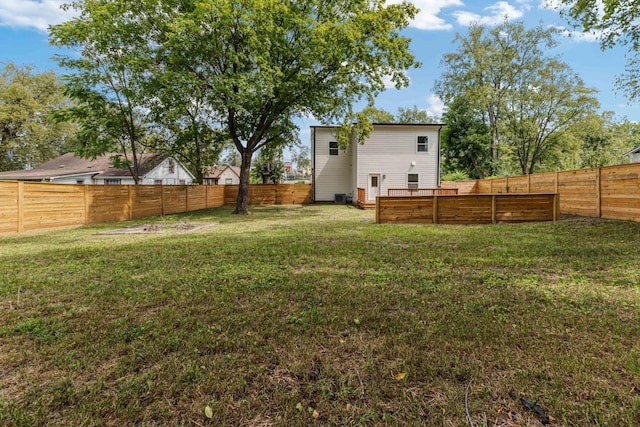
(70, 165)
(216, 171)
(634, 151)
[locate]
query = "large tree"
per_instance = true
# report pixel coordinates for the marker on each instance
(613, 22)
(466, 140)
(261, 62)
(28, 134)
(527, 96)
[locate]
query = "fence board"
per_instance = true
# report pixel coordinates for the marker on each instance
(466, 209)
(8, 207)
(28, 206)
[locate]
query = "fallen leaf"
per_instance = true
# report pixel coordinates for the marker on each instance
(401, 375)
(299, 407)
(315, 414)
(208, 412)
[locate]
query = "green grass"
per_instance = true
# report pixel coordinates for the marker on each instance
(295, 316)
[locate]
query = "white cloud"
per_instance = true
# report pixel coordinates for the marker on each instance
(495, 14)
(427, 18)
(436, 107)
(37, 14)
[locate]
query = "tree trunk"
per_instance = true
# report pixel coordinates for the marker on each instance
(243, 188)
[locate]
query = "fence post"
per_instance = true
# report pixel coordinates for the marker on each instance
(598, 194)
(556, 206)
(186, 198)
(507, 185)
(493, 209)
(435, 210)
(130, 203)
(86, 204)
(162, 198)
(557, 179)
(529, 183)
(20, 225)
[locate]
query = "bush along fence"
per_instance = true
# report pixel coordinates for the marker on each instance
(27, 206)
(467, 209)
(611, 192)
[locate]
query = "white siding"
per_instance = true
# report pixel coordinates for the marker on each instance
(228, 174)
(86, 179)
(332, 174)
(163, 172)
(391, 151)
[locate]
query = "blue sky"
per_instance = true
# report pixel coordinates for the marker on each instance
(23, 40)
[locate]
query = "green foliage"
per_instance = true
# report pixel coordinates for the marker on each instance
(413, 115)
(28, 134)
(256, 64)
(613, 22)
(466, 141)
(268, 167)
(527, 98)
(455, 176)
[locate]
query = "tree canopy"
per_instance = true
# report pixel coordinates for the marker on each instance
(613, 22)
(527, 97)
(28, 134)
(257, 63)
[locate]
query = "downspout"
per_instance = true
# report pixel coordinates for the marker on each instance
(313, 164)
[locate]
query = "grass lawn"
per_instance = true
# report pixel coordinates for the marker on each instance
(296, 316)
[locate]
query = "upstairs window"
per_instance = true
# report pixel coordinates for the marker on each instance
(423, 144)
(333, 148)
(172, 166)
(412, 180)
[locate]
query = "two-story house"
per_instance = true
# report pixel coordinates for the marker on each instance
(394, 156)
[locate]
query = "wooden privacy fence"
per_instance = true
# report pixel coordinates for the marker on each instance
(609, 192)
(418, 192)
(467, 209)
(27, 206)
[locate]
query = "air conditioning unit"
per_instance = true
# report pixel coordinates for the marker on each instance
(340, 199)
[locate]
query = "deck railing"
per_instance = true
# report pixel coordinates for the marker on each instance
(420, 192)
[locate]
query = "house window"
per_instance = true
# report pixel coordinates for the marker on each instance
(423, 144)
(412, 180)
(172, 166)
(112, 181)
(182, 182)
(333, 148)
(79, 181)
(157, 182)
(228, 181)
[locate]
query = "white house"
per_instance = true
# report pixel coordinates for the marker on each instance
(69, 169)
(395, 156)
(222, 175)
(634, 155)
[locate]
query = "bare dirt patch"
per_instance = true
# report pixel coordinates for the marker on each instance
(180, 227)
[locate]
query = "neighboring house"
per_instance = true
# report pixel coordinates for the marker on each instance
(69, 169)
(395, 156)
(222, 175)
(634, 155)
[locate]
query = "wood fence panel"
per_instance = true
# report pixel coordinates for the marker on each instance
(578, 192)
(147, 201)
(499, 185)
(469, 209)
(405, 210)
(518, 184)
(8, 207)
(463, 187)
(620, 192)
(215, 196)
(543, 183)
(107, 203)
(484, 186)
(196, 197)
(532, 207)
(174, 198)
(231, 194)
(52, 205)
